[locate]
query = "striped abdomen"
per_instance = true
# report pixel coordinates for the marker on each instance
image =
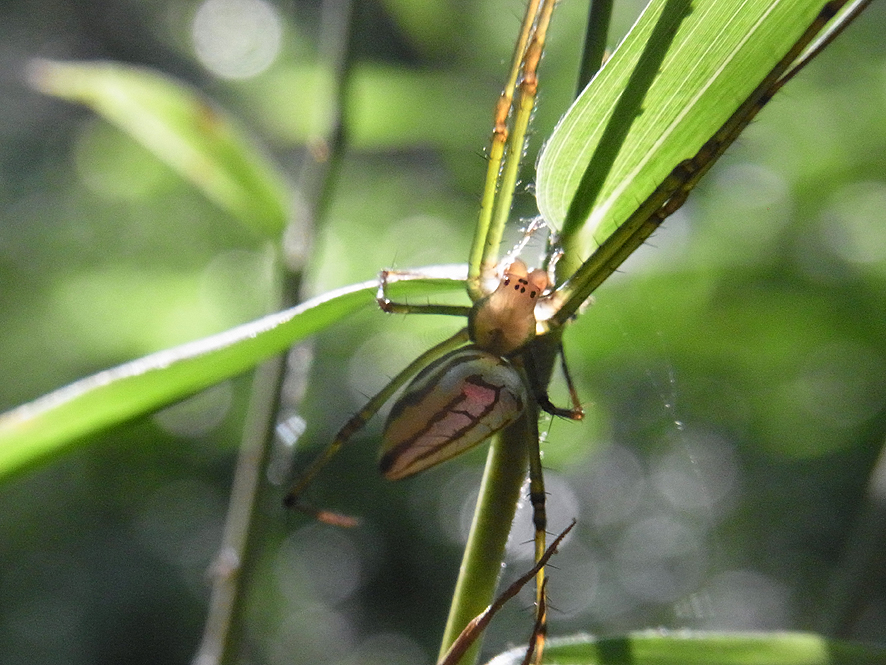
(451, 405)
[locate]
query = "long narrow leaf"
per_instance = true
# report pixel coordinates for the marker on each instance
(180, 127)
(700, 648)
(35, 431)
(678, 76)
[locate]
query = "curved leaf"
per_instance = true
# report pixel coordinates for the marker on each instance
(677, 77)
(701, 648)
(34, 431)
(180, 127)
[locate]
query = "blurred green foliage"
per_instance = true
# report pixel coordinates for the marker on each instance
(733, 372)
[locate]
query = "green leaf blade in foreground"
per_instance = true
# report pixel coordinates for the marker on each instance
(182, 129)
(34, 432)
(677, 77)
(703, 648)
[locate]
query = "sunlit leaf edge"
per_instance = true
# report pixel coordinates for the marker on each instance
(663, 647)
(33, 432)
(720, 52)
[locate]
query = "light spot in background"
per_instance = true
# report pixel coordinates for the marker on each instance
(409, 236)
(237, 286)
(379, 350)
(612, 486)
(372, 364)
(660, 559)
(181, 522)
(237, 39)
(390, 649)
(840, 385)
(746, 600)
(314, 635)
(289, 429)
(852, 226)
(697, 475)
(610, 603)
(113, 166)
(561, 506)
(319, 563)
(196, 415)
(455, 504)
(667, 253)
(752, 207)
(130, 310)
(750, 186)
(574, 580)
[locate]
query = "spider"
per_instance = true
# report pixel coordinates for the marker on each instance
(472, 385)
(491, 376)
(492, 373)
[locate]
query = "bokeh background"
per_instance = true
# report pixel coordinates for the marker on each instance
(734, 372)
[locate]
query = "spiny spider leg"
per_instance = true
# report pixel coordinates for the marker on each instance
(506, 150)
(537, 495)
(537, 498)
(388, 305)
(359, 420)
(525, 102)
(539, 391)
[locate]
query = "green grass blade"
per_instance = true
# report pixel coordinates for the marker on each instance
(678, 76)
(36, 431)
(700, 648)
(182, 129)
(594, 52)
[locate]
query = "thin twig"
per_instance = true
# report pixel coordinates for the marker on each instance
(476, 627)
(242, 533)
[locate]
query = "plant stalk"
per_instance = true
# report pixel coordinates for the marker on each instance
(496, 505)
(245, 530)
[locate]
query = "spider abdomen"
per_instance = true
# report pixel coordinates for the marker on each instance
(453, 404)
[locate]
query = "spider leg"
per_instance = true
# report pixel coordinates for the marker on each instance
(358, 421)
(388, 305)
(538, 385)
(537, 499)
(482, 258)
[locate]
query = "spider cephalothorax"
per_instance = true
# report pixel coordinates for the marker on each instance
(504, 321)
